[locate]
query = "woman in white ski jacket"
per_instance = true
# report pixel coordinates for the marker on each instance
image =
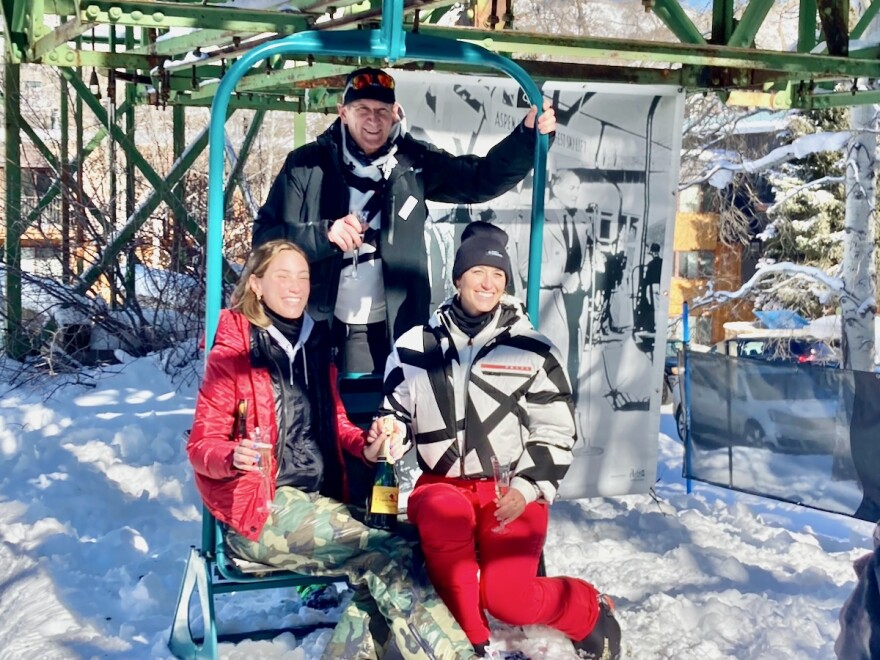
(479, 382)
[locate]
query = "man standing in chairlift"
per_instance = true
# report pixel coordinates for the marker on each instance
(649, 291)
(372, 278)
(565, 269)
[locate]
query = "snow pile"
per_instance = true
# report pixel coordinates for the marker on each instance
(98, 510)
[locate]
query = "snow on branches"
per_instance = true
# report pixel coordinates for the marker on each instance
(786, 275)
(720, 174)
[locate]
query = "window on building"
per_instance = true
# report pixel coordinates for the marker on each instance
(696, 265)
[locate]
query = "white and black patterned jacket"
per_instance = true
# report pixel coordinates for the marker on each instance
(503, 393)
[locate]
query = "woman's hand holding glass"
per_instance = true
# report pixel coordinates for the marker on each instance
(246, 455)
(253, 455)
(509, 502)
(508, 508)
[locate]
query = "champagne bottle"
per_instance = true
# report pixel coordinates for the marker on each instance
(382, 504)
(239, 426)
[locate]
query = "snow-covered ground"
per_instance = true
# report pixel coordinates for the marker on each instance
(98, 510)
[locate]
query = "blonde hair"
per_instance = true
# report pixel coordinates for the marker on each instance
(243, 298)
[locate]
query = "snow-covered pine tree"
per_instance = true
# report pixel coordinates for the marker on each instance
(807, 219)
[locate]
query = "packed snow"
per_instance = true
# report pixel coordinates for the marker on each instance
(98, 511)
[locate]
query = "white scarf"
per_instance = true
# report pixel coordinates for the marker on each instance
(289, 349)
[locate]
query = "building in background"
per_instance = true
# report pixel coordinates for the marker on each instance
(701, 258)
(722, 252)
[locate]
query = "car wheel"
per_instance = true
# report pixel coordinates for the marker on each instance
(754, 435)
(680, 423)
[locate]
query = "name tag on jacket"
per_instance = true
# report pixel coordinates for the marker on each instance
(407, 207)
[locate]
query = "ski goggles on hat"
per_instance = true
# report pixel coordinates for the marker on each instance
(371, 79)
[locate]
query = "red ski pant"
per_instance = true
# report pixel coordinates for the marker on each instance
(474, 568)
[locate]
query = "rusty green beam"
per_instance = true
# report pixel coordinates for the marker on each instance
(29, 18)
(14, 39)
(259, 80)
(807, 26)
(15, 344)
(629, 49)
(865, 20)
(158, 14)
(66, 56)
(162, 188)
(249, 102)
(299, 130)
(60, 36)
(64, 181)
(835, 99)
(185, 43)
(178, 236)
(752, 18)
(181, 78)
(56, 187)
(243, 153)
(722, 21)
(678, 22)
(797, 65)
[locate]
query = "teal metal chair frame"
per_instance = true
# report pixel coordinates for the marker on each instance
(210, 571)
(390, 42)
(207, 570)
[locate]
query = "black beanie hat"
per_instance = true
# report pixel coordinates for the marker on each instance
(368, 83)
(482, 244)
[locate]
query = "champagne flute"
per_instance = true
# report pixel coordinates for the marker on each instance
(502, 474)
(267, 477)
(362, 218)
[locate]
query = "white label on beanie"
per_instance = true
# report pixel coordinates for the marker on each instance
(407, 207)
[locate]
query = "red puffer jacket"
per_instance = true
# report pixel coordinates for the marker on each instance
(231, 495)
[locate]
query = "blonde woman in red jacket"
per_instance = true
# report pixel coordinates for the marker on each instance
(269, 352)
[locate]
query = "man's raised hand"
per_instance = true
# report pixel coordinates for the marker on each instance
(547, 120)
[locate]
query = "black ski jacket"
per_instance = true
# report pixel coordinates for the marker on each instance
(310, 193)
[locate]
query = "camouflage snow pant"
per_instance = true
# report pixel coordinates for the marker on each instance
(315, 535)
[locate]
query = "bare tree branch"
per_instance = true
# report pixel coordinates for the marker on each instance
(834, 284)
